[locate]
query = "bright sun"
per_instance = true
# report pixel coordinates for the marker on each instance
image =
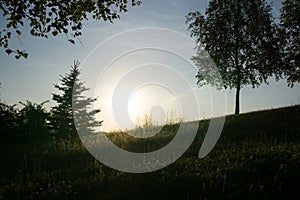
(154, 101)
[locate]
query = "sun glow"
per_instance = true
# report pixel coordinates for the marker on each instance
(153, 102)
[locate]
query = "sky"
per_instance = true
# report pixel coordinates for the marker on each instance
(136, 66)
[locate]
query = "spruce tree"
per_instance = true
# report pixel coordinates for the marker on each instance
(71, 102)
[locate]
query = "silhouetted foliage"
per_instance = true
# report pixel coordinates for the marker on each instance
(27, 124)
(33, 121)
(290, 33)
(240, 37)
(9, 123)
(84, 117)
(62, 120)
(48, 17)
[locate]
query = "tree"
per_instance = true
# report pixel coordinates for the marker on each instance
(9, 126)
(290, 32)
(9, 123)
(240, 37)
(51, 17)
(69, 101)
(33, 121)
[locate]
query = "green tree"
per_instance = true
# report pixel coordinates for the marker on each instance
(51, 17)
(290, 33)
(33, 121)
(240, 37)
(72, 100)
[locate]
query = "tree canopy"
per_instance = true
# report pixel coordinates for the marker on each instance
(52, 17)
(33, 121)
(290, 33)
(9, 123)
(240, 37)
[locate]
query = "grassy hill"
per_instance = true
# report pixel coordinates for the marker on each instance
(256, 157)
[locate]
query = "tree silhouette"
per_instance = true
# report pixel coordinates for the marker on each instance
(9, 123)
(239, 36)
(290, 33)
(69, 101)
(33, 121)
(49, 17)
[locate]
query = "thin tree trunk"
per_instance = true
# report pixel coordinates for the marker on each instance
(237, 64)
(238, 85)
(237, 98)
(238, 89)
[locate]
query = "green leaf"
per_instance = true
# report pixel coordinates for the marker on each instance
(72, 41)
(18, 32)
(8, 51)
(18, 56)
(25, 55)
(54, 33)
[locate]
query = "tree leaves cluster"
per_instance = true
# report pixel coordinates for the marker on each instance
(26, 124)
(34, 121)
(9, 123)
(245, 43)
(290, 34)
(52, 17)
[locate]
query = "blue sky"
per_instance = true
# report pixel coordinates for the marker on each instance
(33, 78)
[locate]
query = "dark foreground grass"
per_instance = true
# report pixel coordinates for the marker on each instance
(257, 157)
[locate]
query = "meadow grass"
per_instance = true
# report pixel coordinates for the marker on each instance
(256, 157)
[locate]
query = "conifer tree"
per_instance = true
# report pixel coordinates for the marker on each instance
(73, 100)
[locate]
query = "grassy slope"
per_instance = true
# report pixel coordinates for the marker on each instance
(257, 157)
